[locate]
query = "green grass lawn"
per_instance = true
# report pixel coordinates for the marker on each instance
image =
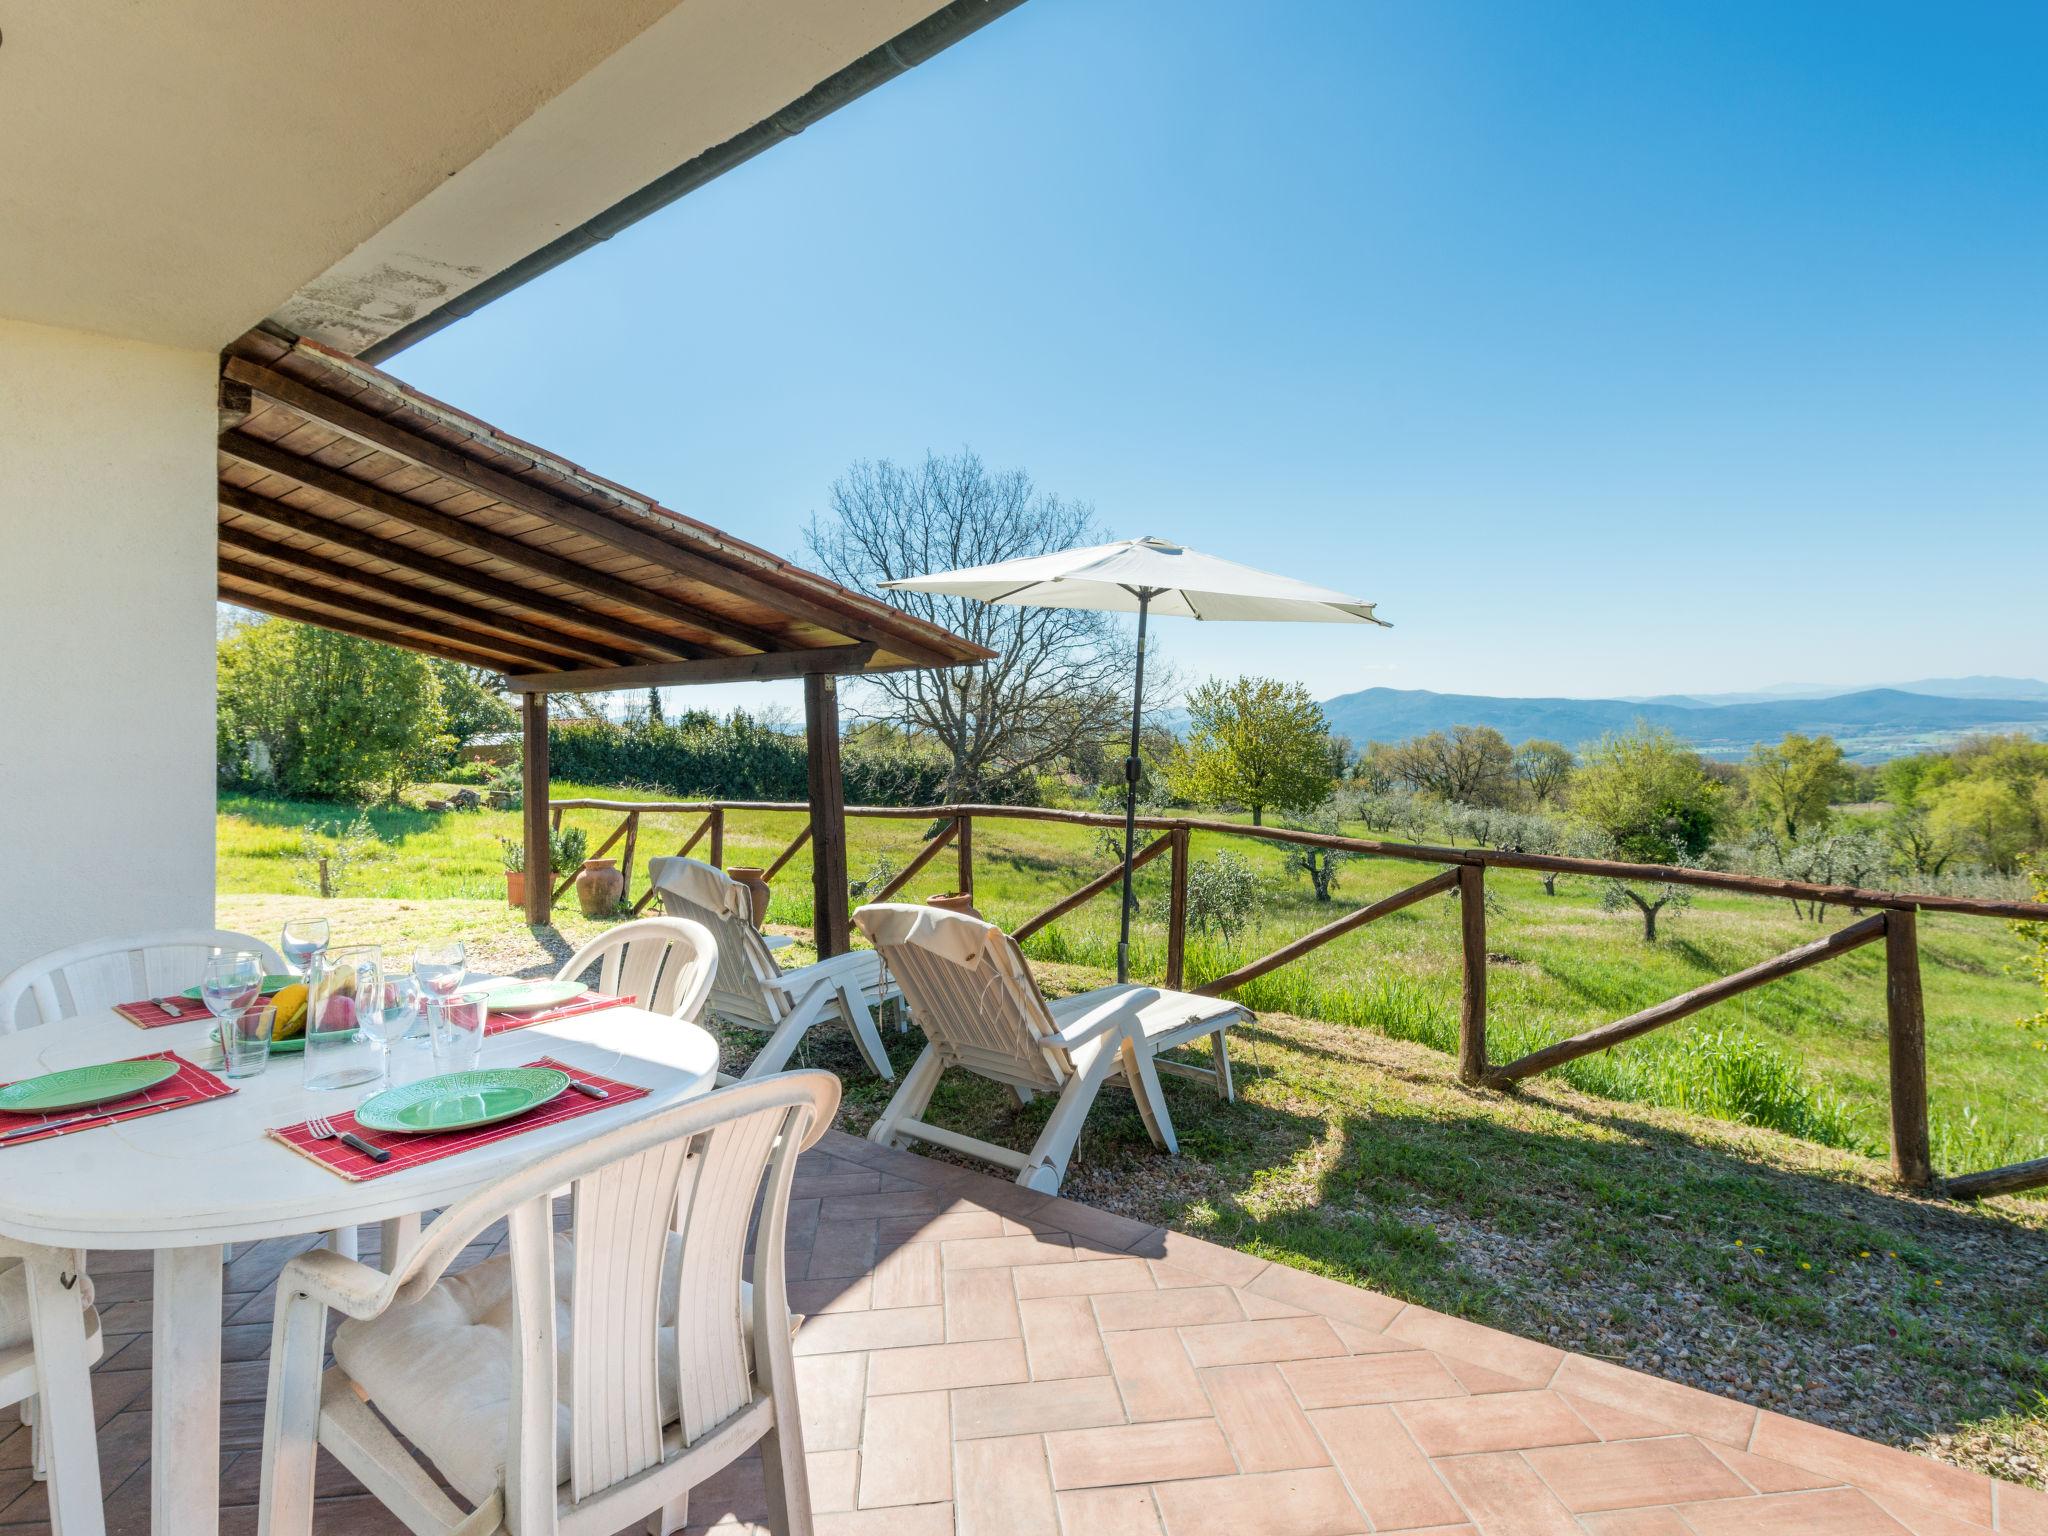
(1806, 1054)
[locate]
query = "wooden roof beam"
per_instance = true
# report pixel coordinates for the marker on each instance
(552, 640)
(718, 669)
(263, 602)
(394, 438)
(342, 536)
(359, 493)
(507, 651)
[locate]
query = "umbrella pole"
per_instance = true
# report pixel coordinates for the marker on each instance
(1123, 943)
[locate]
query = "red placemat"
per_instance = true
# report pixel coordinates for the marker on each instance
(192, 1085)
(412, 1151)
(498, 1023)
(150, 1014)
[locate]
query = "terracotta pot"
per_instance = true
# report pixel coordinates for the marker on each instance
(599, 885)
(954, 901)
(515, 887)
(755, 880)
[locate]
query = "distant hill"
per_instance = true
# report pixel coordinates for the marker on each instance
(1939, 687)
(1873, 724)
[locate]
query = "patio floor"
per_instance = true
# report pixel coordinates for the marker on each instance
(982, 1359)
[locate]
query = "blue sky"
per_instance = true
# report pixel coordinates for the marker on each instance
(1610, 348)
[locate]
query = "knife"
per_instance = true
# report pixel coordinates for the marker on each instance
(374, 1154)
(104, 1114)
(588, 1090)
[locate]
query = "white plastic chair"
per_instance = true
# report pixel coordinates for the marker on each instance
(581, 1382)
(94, 976)
(668, 963)
(972, 993)
(49, 1339)
(752, 989)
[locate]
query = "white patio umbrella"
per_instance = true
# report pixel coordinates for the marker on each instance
(1144, 576)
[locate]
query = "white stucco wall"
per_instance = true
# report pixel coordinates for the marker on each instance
(106, 638)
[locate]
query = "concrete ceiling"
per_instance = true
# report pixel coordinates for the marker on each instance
(179, 170)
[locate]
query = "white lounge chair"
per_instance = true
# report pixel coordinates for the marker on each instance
(752, 989)
(971, 992)
(668, 963)
(94, 976)
(49, 1339)
(582, 1382)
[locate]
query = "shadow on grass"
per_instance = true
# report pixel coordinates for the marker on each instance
(394, 823)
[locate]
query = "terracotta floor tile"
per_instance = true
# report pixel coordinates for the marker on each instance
(2023, 1511)
(1940, 1487)
(1339, 1381)
(940, 1367)
(1106, 1228)
(1767, 1476)
(1138, 1453)
(809, 1298)
(1629, 1473)
(1035, 1407)
(1922, 1522)
(1332, 1298)
(1832, 1512)
(1167, 1309)
(1028, 1248)
(1668, 1402)
(923, 1520)
(1505, 1497)
(835, 1479)
(1214, 1263)
(1391, 1477)
(1266, 1430)
(1637, 1522)
(842, 1248)
(908, 1277)
(830, 1393)
(1257, 1306)
(906, 1456)
(1155, 1376)
(1003, 1487)
(1061, 1338)
(1312, 1502)
(1611, 1423)
(1504, 1421)
(899, 1205)
(839, 1332)
(981, 1304)
(1109, 1512)
(939, 1228)
(1085, 1277)
(1528, 1362)
(1287, 1338)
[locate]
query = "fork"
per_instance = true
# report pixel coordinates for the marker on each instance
(322, 1129)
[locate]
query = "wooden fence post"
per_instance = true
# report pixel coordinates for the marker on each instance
(626, 863)
(1472, 943)
(717, 850)
(1177, 912)
(1906, 1030)
(963, 842)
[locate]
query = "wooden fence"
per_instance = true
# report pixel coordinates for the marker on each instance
(1891, 921)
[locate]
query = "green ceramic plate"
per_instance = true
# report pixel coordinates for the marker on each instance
(272, 985)
(510, 995)
(86, 1085)
(455, 1101)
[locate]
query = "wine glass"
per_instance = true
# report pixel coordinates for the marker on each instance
(304, 940)
(440, 969)
(396, 1011)
(233, 980)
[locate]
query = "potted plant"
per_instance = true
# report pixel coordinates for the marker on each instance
(514, 855)
(954, 901)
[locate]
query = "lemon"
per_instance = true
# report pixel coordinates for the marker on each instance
(290, 1003)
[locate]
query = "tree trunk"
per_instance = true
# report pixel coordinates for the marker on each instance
(1258, 815)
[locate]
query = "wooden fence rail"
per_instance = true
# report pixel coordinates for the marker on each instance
(1892, 920)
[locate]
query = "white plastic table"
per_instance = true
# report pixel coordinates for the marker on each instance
(186, 1181)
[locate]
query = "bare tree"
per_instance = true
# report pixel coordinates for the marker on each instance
(1061, 677)
(1470, 763)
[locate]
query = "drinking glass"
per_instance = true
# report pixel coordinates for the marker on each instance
(245, 1038)
(458, 1030)
(396, 1013)
(303, 941)
(232, 981)
(347, 987)
(441, 969)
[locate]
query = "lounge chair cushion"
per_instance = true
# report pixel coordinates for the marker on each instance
(440, 1369)
(1170, 1014)
(705, 884)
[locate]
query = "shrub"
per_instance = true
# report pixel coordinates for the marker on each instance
(567, 848)
(329, 850)
(1222, 890)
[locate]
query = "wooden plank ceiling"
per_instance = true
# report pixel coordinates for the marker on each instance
(351, 501)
